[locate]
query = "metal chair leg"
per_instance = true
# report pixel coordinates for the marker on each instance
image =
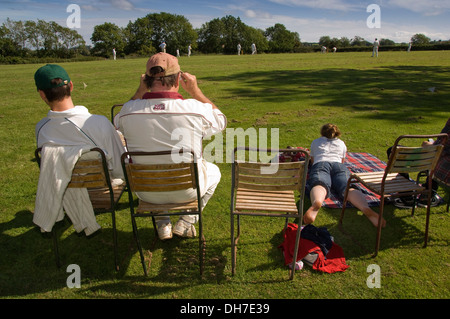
(136, 237)
(116, 258)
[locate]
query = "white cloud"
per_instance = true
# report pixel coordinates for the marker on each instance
(429, 7)
(319, 4)
(121, 4)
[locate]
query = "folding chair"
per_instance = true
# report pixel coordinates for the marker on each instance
(162, 178)
(266, 189)
(390, 182)
(92, 173)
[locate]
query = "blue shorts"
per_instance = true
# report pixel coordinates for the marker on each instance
(331, 175)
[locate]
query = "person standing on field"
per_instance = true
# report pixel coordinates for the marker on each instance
(376, 44)
(162, 46)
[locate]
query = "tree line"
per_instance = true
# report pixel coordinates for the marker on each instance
(142, 37)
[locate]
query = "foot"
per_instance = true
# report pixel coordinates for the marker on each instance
(184, 229)
(310, 215)
(374, 217)
(165, 231)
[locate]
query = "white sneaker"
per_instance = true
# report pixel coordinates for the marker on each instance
(165, 231)
(184, 229)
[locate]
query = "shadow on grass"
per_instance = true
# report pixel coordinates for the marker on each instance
(392, 90)
(28, 263)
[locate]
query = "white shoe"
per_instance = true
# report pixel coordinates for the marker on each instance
(184, 229)
(165, 231)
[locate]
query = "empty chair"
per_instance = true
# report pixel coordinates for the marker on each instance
(391, 182)
(266, 189)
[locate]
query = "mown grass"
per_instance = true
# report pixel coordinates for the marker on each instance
(373, 101)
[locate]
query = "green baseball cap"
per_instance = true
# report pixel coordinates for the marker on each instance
(44, 76)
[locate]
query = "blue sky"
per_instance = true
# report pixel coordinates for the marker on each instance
(400, 19)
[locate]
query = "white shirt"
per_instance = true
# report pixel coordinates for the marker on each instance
(77, 127)
(164, 121)
(328, 150)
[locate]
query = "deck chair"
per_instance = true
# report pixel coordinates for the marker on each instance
(258, 190)
(162, 178)
(390, 182)
(93, 174)
(114, 110)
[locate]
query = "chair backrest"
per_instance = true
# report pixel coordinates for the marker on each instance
(113, 111)
(272, 176)
(159, 177)
(90, 171)
(406, 159)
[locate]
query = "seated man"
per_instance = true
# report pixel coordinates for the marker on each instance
(162, 120)
(71, 126)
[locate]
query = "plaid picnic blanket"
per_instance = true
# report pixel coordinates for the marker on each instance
(359, 163)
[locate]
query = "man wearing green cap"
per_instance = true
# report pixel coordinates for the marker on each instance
(70, 124)
(64, 134)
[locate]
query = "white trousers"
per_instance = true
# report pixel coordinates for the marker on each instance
(213, 176)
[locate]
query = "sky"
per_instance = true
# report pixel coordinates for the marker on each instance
(397, 20)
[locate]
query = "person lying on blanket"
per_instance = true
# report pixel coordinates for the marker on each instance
(328, 172)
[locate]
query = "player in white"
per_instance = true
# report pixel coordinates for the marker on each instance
(253, 48)
(162, 46)
(189, 50)
(239, 49)
(376, 44)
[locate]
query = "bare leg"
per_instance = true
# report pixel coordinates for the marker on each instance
(357, 199)
(317, 196)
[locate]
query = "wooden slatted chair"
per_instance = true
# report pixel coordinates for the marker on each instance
(162, 178)
(258, 189)
(390, 182)
(91, 172)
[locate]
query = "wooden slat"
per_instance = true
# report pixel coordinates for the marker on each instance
(86, 184)
(88, 178)
(156, 173)
(161, 188)
(279, 172)
(268, 180)
(149, 180)
(150, 207)
(269, 187)
(161, 167)
(258, 165)
(287, 209)
(277, 194)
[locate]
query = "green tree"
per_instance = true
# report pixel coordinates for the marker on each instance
(106, 37)
(325, 41)
(211, 36)
(138, 37)
(280, 39)
(173, 29)
(420, 39)
(384, 42)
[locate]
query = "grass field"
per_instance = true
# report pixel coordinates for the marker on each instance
(373, 101)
